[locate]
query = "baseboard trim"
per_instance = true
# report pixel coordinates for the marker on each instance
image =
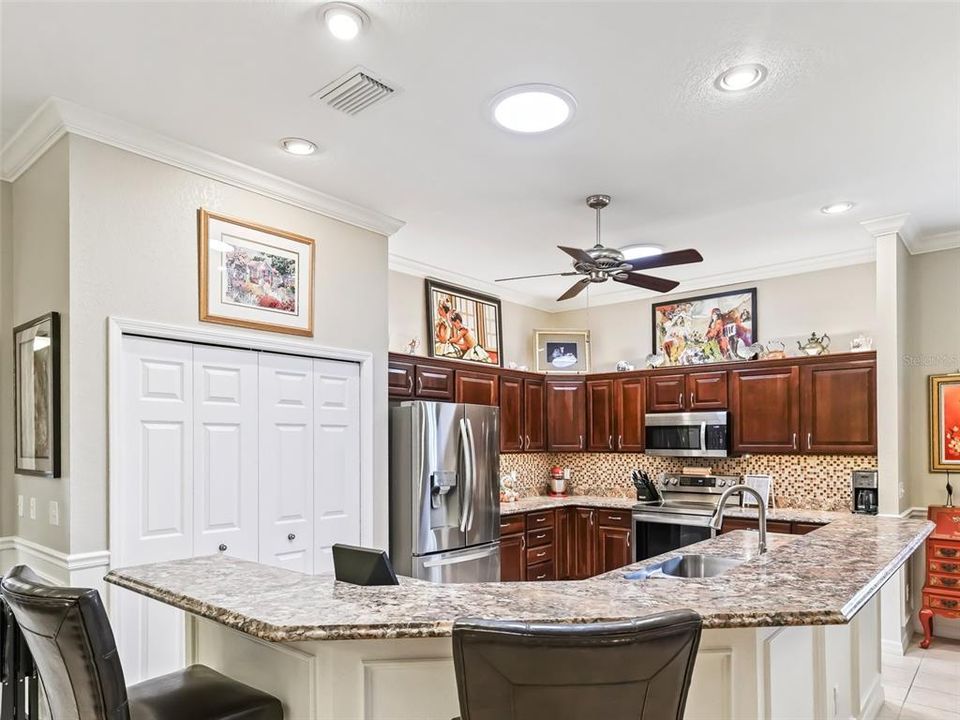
(54, 566)
(871, 708)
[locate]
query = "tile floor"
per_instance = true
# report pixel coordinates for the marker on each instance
(923, 684)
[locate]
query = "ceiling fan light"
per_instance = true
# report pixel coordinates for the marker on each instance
(640, 250)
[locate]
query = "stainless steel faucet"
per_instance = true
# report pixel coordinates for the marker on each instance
(717, 520)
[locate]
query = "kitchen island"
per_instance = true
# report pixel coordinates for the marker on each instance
(791, 633)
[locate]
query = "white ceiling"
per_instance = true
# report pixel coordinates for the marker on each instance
(862, 102)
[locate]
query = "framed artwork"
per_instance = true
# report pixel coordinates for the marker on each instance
(706, 328)
(562, 351)
(463, 325)
(254, 276)
(36, 346)
(945, 423)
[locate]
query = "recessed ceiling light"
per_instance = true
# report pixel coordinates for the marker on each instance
(533, 108)
(632, 252)
(837, 208)
(298, 146)
(344, 21)
(741, 77)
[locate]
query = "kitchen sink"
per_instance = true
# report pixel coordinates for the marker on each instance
(697, 566)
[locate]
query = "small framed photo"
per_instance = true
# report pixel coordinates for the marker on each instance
(562, 351)
(37, 396)
(463, 325)
(255, 277)
(945, 423)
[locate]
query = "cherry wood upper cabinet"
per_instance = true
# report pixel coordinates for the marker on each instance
(511, 414)
(566, 408)
(766, 409)
(534, 415)
(434, 383)
(400, 378)
(706, 391)
(839, 410)
(600, 422)
(629, 407)
(665, 393)
(477, 388)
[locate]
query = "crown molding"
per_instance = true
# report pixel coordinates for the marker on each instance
(902, 225)
(935, 243)
(704, 282)
(56, 117)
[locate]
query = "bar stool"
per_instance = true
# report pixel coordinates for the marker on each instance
(637, 669)
(69, 636)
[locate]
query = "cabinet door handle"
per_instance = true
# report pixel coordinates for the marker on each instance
(291, 537)
(610, 442)
(410, 384)
(809, 440)
(794, 441)
(691, 400)
(591, 518)
(222, 548)
(520, 438)
(419, 385)
(523, 542)
(619, 442)
(527, 447)
(581, 442)
(681, 400)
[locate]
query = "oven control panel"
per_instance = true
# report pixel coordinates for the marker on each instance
(710, 484)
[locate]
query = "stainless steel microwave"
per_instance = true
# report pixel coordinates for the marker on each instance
(693, 434)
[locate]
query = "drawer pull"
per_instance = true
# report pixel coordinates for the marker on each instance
(541, 554)
(949, 582)
(503, 525)
(541, 519)
(616, 517)
(949, 567)
(541, 536)
(541, 577)
(949, 603)
(947, 552)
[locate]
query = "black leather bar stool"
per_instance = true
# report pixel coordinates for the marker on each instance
(635, 669)
(69, 636)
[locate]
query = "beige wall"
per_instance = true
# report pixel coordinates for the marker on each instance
(133, 234)
(7, 494)
(839, 301)
(408, 319)
(933, 347)
(40, 283)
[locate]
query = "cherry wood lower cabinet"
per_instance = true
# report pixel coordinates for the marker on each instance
(776, 526)
(571, 543)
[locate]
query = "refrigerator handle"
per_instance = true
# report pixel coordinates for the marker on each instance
(456, 558)
(467, 489)
(473, 472)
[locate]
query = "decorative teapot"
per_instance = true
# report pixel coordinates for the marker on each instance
(815, 345)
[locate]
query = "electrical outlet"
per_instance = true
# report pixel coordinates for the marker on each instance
(54, 512)
(33, 508)
(19, 505)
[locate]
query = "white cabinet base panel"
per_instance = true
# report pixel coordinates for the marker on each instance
(787, 673)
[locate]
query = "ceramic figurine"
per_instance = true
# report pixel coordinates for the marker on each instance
(413, 345)
(949, 492)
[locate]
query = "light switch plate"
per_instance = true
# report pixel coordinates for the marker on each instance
(54, 512)
(19, 505)
(33, 508)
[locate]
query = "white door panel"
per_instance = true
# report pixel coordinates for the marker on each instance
(286, 461)
(337, 458)
(226, 451)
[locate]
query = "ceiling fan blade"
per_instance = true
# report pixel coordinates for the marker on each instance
(677, 257)
(527, 277)
(575, 289)
(577, 254)
(648, 282)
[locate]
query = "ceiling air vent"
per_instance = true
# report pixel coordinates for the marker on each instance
(355, 91)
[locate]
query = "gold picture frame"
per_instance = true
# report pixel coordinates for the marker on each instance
(254, 276)
(945, 423)
(562, 351)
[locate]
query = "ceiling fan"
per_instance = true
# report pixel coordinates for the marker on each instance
(599, 264)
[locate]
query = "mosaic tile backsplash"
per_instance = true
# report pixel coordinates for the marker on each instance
(815, 482)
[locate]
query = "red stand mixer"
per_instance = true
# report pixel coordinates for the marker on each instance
(558, 481)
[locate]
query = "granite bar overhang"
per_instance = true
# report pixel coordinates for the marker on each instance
(822, 578)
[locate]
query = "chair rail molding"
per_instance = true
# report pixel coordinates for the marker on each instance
(57, 117)
(58, 568)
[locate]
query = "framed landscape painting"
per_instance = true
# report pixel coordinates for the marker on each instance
(706, 328)
(37, 396)
(562, 351)
(463, 325)
(254, 276)
(945, 423)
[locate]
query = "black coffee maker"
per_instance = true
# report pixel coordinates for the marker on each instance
(864, 484)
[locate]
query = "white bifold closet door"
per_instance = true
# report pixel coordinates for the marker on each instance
(256, 455)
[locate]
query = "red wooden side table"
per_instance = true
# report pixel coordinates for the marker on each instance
(941, 592)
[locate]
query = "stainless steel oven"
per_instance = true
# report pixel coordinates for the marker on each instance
(681, 517)
(693, 434)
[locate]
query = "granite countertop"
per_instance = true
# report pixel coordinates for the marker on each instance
(545, 502)
(811, 579)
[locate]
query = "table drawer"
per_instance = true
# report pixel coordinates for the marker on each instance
(947, 520)
(511, 525)
(945, 566)
(537, 520)
(614, 518)
(536, 538)
(542, 571)
(942, 602)
(943, 551)
(947, 582)
(538, 555)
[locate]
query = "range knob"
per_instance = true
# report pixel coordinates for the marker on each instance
(673, 481)
(721, 483)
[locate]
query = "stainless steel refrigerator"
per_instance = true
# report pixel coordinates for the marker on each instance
(445, 491)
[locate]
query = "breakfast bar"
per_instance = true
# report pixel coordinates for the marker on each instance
(794, 632)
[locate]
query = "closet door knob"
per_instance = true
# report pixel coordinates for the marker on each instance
(291, 537)
(222, 548)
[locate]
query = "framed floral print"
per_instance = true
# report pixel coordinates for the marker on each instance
(945, 423)
(36, 346)
(463, 325)
(254, 276)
